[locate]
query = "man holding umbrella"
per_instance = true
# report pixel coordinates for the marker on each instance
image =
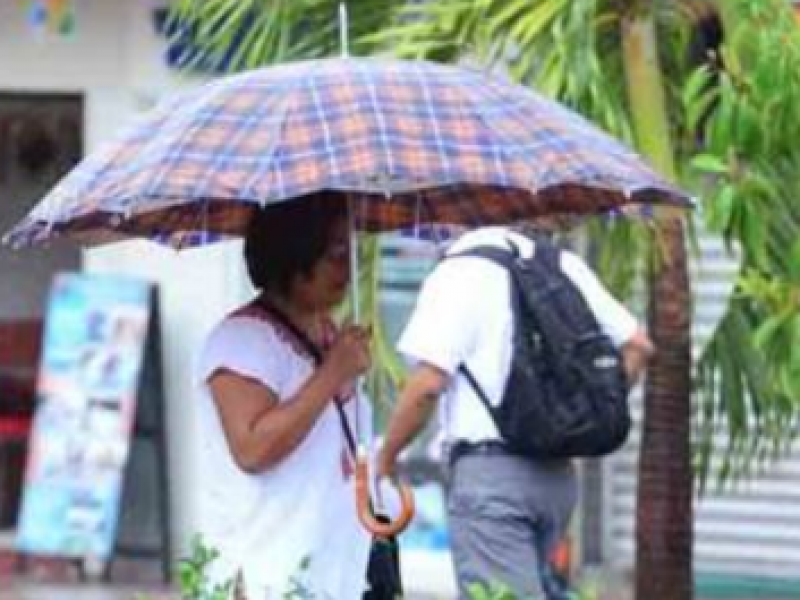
(506, 511)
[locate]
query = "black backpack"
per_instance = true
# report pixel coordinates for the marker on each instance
(567, 393)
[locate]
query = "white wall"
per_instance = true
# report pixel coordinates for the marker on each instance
(115, 60)
(195, 288)
(91, 62)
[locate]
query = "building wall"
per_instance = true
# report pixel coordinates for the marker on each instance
(114, 60)
(90, 63)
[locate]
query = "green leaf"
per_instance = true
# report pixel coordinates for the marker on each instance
(696, 86)
(709, 163)
(765, 334)
(720, 212)
(498, 23)
(536, 21)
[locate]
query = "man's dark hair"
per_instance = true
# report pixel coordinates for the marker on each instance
(288, 238)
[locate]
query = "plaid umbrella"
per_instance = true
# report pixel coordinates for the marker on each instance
(419, 142)
(412, 142)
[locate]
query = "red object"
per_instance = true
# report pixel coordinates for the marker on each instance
(15, 427)
(561, 558)
(20, 343)
(20, 347)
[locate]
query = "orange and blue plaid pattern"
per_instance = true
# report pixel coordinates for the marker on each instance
(416, 142)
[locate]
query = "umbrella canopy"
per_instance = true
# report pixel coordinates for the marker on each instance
(419, 142)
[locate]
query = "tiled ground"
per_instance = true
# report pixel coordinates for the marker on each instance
(41, 591)
(54, 579)
(43, 579)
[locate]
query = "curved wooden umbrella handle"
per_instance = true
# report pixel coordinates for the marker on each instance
(365, 514)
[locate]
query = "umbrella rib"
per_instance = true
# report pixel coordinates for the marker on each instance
(504, 149)
(374, 105)
(437, 134)
(161, 173)
(272, 149)
(326, 130)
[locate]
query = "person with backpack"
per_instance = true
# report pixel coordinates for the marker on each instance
(529, 360)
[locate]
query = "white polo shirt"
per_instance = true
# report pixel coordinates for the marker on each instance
(463, 315)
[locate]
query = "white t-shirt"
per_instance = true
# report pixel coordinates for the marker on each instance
(463, 315)
(302, 510)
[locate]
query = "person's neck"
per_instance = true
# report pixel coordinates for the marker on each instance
(307, 320)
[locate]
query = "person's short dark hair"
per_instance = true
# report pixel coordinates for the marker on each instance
(288, 238)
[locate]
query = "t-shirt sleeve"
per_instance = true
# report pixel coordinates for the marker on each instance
(442, 327)
(614, 319)
(245, 346)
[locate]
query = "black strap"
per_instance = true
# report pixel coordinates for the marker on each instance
(315, 353)
(473, 382)
(383, 568)
(505, 258)
(544, 250)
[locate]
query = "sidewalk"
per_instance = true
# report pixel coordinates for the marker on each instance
(45, 579)
(101, 592)
(31, 591)
(58, 579)
(43, 591)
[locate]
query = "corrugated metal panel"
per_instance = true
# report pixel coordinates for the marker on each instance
(752, 529)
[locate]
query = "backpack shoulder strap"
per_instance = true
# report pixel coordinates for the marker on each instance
(505, 258)
(502, 256)
(546, 253)
(478, 389)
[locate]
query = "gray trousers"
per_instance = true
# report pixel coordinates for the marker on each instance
(506, 515)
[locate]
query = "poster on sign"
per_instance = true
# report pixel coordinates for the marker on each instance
(93, 350)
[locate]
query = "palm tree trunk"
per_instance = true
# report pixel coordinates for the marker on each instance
(664, 514)
(664, 508)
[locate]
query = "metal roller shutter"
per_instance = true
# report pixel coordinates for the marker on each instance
(751, 530)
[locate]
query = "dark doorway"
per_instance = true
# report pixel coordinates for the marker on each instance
(41, 138)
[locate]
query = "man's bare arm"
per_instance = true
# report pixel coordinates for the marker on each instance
(414, 407)
(635, 354)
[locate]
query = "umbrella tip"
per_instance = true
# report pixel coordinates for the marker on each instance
(343, 30)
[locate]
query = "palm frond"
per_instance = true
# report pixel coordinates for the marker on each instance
(236, 35)
(747, 376)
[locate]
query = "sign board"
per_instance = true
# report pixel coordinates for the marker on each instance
(95, 335)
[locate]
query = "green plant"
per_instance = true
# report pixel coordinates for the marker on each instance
(298, 588)
(481, 591)
(194, 583)
(193, 574)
